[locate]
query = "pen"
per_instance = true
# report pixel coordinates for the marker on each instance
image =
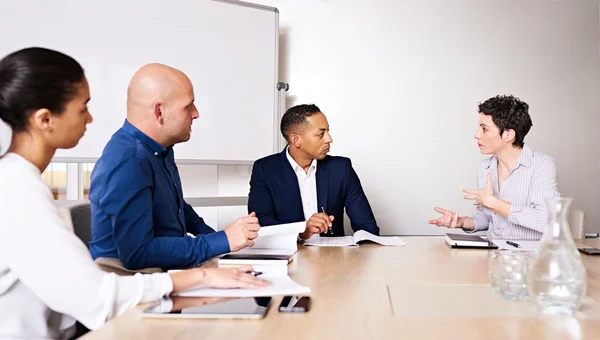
(516, 245)
(329, 231)
(253, 273)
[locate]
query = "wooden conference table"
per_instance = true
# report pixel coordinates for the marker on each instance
(424, 290)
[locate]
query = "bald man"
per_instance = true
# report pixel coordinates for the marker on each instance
(140, 221)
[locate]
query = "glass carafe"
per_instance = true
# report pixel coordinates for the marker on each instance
(557, 279)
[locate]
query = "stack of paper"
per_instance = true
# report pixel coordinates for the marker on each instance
(281, 285)
(272, 250)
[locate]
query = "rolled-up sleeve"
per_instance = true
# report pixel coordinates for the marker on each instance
(544, 185)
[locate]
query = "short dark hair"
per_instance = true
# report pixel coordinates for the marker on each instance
(36, 78)
(509, 112)
(295, 116)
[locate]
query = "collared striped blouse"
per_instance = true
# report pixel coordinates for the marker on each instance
(527, 187)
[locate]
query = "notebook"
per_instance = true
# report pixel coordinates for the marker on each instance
(468, 241)
(345, 241)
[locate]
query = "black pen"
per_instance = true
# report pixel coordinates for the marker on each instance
(253, 273)
(516, 245)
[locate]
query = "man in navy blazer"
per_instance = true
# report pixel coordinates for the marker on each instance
(303, 183)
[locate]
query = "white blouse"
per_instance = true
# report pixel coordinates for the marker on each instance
(47, 276)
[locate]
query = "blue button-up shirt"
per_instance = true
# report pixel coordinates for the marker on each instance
(138, 211)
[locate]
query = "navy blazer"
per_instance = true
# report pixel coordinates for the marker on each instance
(275, 194)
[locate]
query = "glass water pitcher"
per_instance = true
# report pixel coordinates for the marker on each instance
(557, 279)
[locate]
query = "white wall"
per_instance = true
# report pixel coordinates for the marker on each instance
(400, 81)
(216, 181)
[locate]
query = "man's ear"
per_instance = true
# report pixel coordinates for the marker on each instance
(295, 140)
(159, 112)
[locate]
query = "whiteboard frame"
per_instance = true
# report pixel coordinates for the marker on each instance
(276, 113)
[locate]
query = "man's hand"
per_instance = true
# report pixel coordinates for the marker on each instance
(242, 232)
(316, 224)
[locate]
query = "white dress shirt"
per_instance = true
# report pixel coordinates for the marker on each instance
(526, 188)
(47, 276)
(307, 182)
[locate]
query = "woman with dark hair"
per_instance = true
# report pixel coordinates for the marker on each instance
(47, 277)
(514, 181)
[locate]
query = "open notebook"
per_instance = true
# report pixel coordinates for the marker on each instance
(345, 241)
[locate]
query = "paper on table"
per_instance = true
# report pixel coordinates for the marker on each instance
(524, 245)
(281, 285)
(362, 235)
(340, 241)
(266, 269)
(345, 241)
(268, 251)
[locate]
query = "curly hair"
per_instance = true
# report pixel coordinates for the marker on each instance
(508, 113)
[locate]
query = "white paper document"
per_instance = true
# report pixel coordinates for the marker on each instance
(266, 269)
(272, 240)
(281, 285)
(523, 245)
(281, 236)
(345, 241)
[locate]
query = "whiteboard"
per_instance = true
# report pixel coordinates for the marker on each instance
(229, 51)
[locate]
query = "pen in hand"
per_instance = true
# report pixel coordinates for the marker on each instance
(330, 231)
(514, 244)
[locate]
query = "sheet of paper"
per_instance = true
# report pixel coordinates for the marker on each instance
(282, 229)
(282, 236)
(268, 251)
(282, 285)
(340, 241)
(362, 235)
(266, 269)
(523, 245)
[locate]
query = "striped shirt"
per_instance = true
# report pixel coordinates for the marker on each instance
(527, 186)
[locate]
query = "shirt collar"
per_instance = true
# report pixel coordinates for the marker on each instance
(525, 158)
(295, 166)
(152, 145)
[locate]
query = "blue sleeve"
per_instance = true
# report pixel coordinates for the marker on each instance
(357, 205)
(195, 224)
(127, 199)
(260, 199)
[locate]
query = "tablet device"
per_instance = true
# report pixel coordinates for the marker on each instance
(209, 308)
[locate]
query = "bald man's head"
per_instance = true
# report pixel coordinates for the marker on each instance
(160, 102)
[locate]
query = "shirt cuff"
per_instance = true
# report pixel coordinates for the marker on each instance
(218, 243)
(156, 286)
(512, 214)
(478, 226)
